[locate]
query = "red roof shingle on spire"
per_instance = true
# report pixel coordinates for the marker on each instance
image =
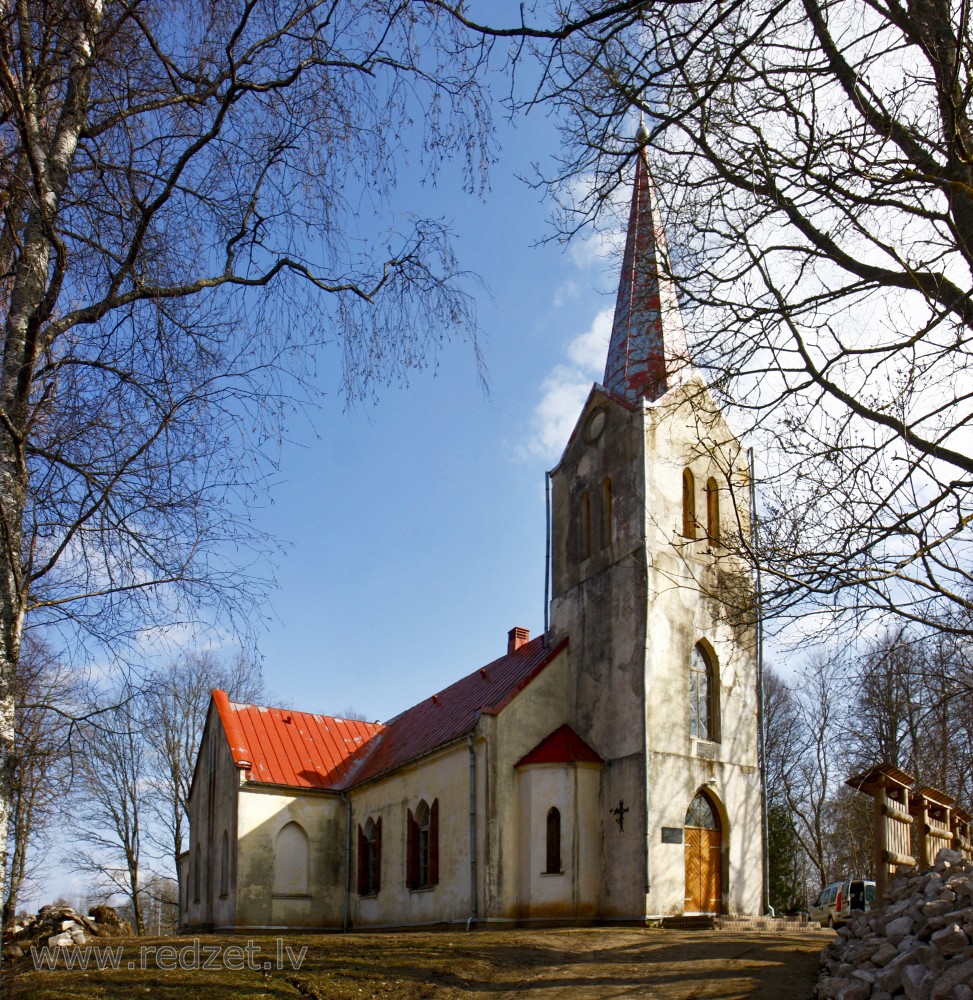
(647, 354)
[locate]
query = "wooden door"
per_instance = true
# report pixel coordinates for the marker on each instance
(704, 861)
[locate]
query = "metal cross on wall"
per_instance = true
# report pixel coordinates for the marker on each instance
(619, 813)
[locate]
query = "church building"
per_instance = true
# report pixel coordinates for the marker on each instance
(605, 771)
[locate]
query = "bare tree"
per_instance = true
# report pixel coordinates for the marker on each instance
(41, 770)
(172, 707)
(817, 160)
(112, 799)
(785, 739)
(178, 234)
(811, 779)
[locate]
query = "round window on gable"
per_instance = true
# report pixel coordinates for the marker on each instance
(594, 425)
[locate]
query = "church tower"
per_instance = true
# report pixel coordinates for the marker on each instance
(649, 495)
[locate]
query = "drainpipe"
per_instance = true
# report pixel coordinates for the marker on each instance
(346, 920)
(761, 735)
(547, 559)
(473, 906)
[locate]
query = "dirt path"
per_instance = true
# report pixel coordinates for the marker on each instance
(576, 964)
(663, 965)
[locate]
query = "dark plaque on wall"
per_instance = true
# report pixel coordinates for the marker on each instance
(672, 835)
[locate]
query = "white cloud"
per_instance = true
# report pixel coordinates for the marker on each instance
(589, 350)
(566, 292)
(566, 388)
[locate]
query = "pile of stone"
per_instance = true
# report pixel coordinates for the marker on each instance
(918, 945)
(62, 927)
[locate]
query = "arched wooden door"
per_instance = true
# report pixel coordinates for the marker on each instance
(704, 857)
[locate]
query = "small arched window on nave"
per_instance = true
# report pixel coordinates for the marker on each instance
(553, 841)
(291, 861)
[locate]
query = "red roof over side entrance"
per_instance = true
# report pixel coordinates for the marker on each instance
(563, 746)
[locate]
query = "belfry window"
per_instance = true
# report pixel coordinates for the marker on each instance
(702, 696)
(606, 512)
(553, 842)
(585, 525)
(712, 510)
(688, 504)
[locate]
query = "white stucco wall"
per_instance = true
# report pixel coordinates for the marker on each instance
(266, 896)
(534, 714)
(443, 776)
(573, 789)
(212, 811)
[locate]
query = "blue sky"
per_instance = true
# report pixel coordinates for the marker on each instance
(413, 530)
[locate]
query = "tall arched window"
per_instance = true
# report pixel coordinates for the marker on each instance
(606, 512)
(422, 861)
(197, 869)
(688, 504)
(585, 525)
(702, 695)
(291, 857)
(712, 510)
(370, 857)
(225, 865)
(553, 841)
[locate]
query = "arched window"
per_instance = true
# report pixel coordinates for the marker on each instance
(370, 857)
(291, 857)
(553, 841)
(197, 868)
(422, 862)
(585, 525)
(225, 866)
(688, 504)
(712, 510)
(702, 695)
(606, 512)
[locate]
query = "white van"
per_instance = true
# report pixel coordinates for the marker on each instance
(839, 901)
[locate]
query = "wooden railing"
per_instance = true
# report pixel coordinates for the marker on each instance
(911, 825)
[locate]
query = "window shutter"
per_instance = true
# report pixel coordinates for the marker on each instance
(378, 854)
(362, 862)
(434, 843)
(412, 852)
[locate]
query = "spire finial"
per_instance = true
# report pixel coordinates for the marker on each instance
(642, 133)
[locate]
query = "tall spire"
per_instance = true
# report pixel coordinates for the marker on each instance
(647, 354)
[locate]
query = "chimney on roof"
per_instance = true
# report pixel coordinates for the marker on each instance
(516, 638)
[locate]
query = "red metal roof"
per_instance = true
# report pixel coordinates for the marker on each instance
(563, 746)
(454, 711)
(285, 747)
